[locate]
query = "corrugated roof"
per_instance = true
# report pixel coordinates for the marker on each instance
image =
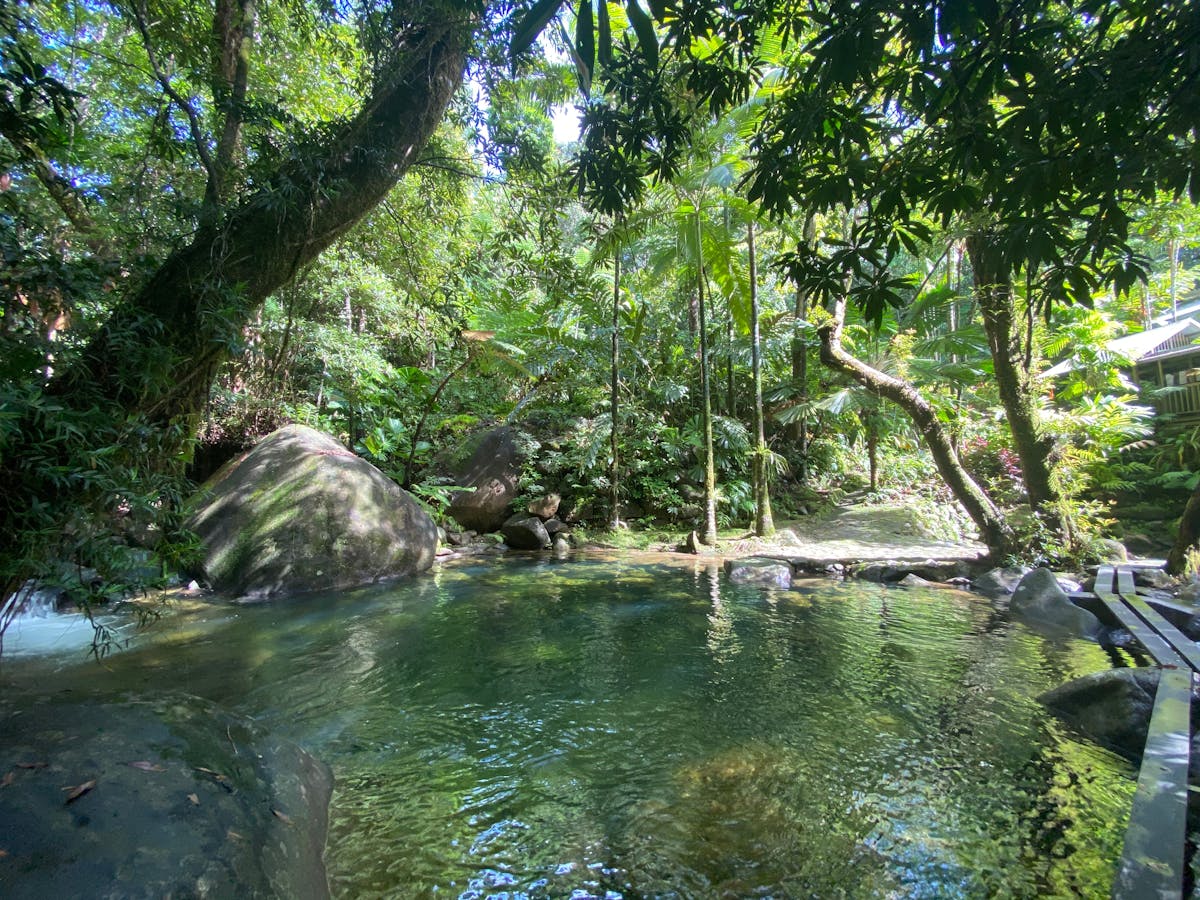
(1135, 346)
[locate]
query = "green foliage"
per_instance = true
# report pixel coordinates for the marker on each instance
(122, 533)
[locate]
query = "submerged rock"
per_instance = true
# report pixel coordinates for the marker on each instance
(1039, 600)
(525, 532)
(494, 472)
(1112, 707)
(764, 572)
(897, 571)
(300, 513)
(168, 796)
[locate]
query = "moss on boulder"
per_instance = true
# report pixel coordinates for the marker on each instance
(299, 513)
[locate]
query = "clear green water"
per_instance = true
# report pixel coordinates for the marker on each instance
(537, 728)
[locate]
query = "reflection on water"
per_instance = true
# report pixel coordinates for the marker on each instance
(533, 728)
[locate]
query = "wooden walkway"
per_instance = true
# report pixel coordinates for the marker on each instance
(1152, 862)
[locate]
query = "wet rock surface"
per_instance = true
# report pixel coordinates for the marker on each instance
(1000, 582)
(1111, 707)
(525, 532)
(1039, 600)
(164, 796)
(763, 572)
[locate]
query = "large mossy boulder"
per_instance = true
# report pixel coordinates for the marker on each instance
(165, 796)
(494, 474)
(299, 513)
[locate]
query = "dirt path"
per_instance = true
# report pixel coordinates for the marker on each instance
(850, 534)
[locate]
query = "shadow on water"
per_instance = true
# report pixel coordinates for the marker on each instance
(526, 727)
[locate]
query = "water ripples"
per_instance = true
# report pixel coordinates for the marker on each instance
(526, 729)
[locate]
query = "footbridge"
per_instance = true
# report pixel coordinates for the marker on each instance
(1153, 859)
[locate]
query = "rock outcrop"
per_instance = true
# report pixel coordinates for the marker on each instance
(998, 583)
(494, 472)
(300, 513)
(762, 572)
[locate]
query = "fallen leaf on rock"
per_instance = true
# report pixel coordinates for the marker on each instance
(76, 791)
(195, 800)
(32, 765)
(8, 779)
(282, 817)
(145, 766)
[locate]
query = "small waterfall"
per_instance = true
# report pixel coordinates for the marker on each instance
(32, 602)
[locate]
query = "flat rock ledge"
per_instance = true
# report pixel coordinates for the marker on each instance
(879, 569)
(884, 544)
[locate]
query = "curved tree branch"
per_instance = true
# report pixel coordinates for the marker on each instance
(994, 529)
(140, 19)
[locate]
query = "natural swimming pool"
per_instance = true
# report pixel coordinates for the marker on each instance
(622, 728)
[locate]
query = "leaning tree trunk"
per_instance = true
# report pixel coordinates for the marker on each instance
(148, 370)
(1188, 538)
(710, 467)
(993, 288)
(993, 527)
(158, 351)
(764, 524)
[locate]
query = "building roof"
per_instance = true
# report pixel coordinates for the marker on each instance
(1141, 345)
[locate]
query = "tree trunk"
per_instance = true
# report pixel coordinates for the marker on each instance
(157, 352)
(764, 525)
(997, 303)
(614, 494)
(872, 450)
(1188, 538)
(798, 430)
(152, 362)
(710, 468)
(993, 528)
(1173, 253)
(730, 395)
(233, 38)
